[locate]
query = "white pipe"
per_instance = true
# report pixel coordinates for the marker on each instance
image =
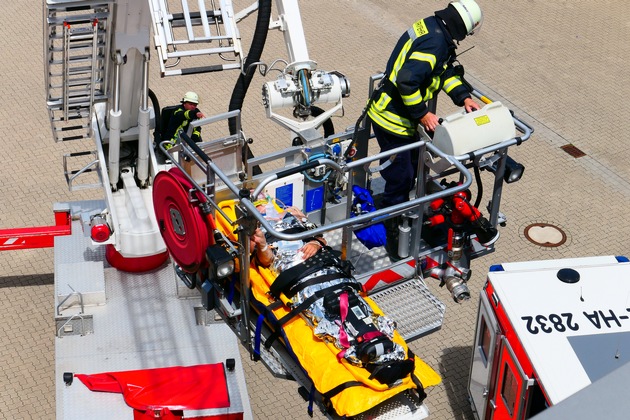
(114, 147)
(143, 145)
(114, 128)
(143, 126)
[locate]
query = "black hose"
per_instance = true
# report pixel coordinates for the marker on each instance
(158, 117)
(329, 127)
(244, 80)
(479, 186)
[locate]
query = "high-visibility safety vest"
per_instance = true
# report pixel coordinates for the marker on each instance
(420, 65)
(179, 121)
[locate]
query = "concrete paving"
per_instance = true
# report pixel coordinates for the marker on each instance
(557, 64)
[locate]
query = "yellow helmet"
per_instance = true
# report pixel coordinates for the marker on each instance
(191, 97)
(471, 14)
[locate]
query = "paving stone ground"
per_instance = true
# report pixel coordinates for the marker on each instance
(557, 64)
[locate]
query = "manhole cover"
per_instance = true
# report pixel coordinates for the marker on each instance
(544, 234)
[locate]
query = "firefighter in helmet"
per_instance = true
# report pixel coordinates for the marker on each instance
(422, 63)
(182, 116)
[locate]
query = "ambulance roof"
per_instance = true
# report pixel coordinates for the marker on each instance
(575, 330)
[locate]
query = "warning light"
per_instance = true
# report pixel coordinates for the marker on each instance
(100, 231)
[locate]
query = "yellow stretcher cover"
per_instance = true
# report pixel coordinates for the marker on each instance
(319, 358)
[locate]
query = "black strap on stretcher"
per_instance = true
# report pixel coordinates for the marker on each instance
(305, 304)
(336, 390)
(419, 387)
(293, 275)
(257, 336)
(310, 282)
(327, 396)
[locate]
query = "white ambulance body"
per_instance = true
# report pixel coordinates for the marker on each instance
(546, 330)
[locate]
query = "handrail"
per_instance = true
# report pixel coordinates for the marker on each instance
(248, 205)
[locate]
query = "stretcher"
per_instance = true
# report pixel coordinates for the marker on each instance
(354, 367)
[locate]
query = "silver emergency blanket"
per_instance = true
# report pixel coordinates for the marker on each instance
(287, 254)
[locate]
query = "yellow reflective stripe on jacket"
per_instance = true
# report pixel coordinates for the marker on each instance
(382, 102)
(433, 87)
(420, 56)
(184, 124)
(181, 126)
(402, 128)
(451, 83)
(400, 60)
(413, 99)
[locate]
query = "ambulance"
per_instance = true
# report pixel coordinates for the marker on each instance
(546, 330)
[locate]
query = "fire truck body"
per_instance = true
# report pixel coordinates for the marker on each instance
(545, 330)
(120, 307)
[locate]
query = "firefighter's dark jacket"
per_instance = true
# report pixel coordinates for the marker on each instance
(420, 65)
(179, 121)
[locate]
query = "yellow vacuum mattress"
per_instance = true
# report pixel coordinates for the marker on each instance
(319, 358)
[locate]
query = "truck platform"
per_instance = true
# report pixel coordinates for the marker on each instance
(108, 320)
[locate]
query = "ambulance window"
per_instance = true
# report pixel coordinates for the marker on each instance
(484, 341)
(537, 401)
(509, 389)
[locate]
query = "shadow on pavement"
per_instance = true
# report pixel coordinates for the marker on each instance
(28, 280)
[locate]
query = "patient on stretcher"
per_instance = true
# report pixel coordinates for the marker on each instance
(322, 286)
(284, 252)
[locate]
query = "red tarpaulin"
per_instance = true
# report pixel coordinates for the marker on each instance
(173, 388)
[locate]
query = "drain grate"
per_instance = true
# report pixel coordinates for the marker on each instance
(573, 151)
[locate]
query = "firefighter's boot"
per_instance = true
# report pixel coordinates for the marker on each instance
(391, 246)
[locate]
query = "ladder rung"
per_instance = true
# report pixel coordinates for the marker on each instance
(180, 17)
(58, 63)
(76, 39)
(80, 94)
(55, 75)
(83, 45)
(71, 111)
(84, 171)
(75, 59)
(199, 40)
(80, 82)
(77, 154)
(79, 70)
(70, 118)
(204, 69)
(83, 58)
(85, 136)
(77, 19)
(57, 105)
(71, 128)
(60, 37)
(208, 51)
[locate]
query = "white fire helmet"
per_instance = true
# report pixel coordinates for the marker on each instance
(470, 13)
(191, 97)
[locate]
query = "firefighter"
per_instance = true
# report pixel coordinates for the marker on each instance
(420, 65)
(182, 116)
